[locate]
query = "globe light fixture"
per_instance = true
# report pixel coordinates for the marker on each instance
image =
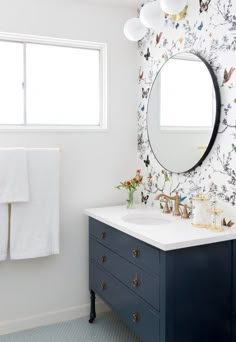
(134, 30)
(151, 15)
(173, 7)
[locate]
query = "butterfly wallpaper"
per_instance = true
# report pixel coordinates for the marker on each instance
(208, 29)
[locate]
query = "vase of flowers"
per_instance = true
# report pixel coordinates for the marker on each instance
(131, 186)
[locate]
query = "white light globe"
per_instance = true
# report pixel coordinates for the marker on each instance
(151, 15)
(173, 7)
(134, 30)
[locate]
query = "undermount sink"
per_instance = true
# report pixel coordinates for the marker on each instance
(144, 219)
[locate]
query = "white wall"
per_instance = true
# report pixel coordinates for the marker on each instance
(92, 163)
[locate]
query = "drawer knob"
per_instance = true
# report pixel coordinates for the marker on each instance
(135, 317)
(103, 258)
(135, 252)
(102, 285)
(102, 235)
(136, 281)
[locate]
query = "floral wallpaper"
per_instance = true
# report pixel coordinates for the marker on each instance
(208, 29)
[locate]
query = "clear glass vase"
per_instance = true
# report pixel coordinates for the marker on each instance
(130, 200)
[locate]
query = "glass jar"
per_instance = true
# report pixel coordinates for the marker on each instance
(200, 215)
(215, 219)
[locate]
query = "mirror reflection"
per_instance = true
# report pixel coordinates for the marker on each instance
(183, 112)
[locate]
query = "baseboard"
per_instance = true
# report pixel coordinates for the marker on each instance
(8, 327)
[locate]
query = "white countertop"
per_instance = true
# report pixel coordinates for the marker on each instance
(174, 234)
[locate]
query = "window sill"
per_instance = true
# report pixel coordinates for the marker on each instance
(52, 129)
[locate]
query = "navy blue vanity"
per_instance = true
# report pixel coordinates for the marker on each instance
(181, 295)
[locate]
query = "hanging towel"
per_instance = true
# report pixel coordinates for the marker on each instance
(4, 225)
(14, 184)
(35, 225)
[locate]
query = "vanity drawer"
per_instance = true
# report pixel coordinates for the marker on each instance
(134, 250)
(141, 318)
(143, 284)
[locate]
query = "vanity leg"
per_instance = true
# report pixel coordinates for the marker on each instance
(92, 306)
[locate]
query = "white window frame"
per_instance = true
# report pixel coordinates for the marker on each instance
(101, 47)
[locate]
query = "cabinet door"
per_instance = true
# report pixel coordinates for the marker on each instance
(234, 330)
(202, 285)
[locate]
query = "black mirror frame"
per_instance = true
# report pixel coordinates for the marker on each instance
(217, 116)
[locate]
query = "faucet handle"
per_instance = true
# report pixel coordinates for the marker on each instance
(185, 213)
(166, 209)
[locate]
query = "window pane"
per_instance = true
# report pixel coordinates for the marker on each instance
(62, 85)
(11, 81)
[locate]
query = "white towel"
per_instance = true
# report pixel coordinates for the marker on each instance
(14, 185)
(3, 231)
(35, 225)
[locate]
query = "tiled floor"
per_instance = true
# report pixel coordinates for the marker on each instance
(106, 328)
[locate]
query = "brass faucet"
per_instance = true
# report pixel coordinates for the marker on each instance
(175, 198)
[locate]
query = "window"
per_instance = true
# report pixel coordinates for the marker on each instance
(51, 82)
(11, 83)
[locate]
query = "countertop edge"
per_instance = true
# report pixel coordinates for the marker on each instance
(165, 247)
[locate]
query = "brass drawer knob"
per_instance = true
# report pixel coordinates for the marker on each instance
(102, 235)
(135, 317)
(136, 281)
(102, 285)
(102, 258)
(135, 252)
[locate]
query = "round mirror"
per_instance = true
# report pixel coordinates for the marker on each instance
(183, 112)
